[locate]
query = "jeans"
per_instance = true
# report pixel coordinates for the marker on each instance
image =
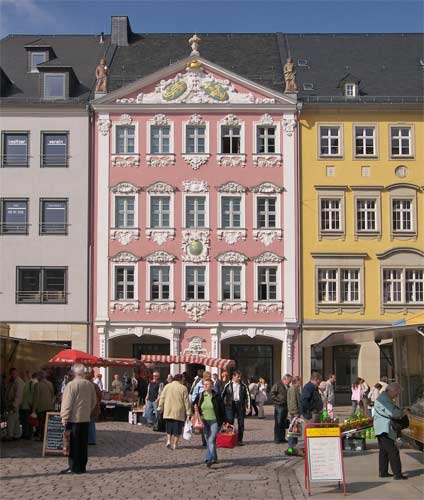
(293, 440)
(355, 405)
(210, 431)
(280, 422)
(236, 410)
(150, 409)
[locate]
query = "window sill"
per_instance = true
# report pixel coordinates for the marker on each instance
(196, 160)
(196, 309)
(124, 235)
(267, 236)
(368, 235)
(268, 306)
(267, 160)
(160, 235)
(124, 306)
(232, 306)
(407, 235)
(401, 308)
(332, 235)
(340, 308)
(231, 160)
(402, 157)
(160, 306)
(231, 236)
(125, 160)
(157, 160)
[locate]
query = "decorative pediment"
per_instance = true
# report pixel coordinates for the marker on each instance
(231, 120)
(231, 187)
(125, 119)
(266, 187)
(196, 119)
(125, 188)
(160, 120)
(194, 186)
(160, 187)
(124, 257)
(232, 258)
(266, 119)
(160, 257)
(268, 257)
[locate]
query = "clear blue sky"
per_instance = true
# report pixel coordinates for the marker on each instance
(323, 16)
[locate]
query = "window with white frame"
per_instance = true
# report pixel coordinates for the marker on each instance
(124, 211)
(160, 209)
(124, 283)
(231, 282)
(195, 211)
(37, 58)
(266, 212)
(230, 139)
(415, 286)
(403, 286)
(160, 139)
(338, 285)
(267, 283)
(125, 139)
(195, 283)
(366, 215)
(401, 141)
(265, 139)
(365, 141)
(350, 89)
(195, 139)
(159, 282)
(330, 214)
(330, 141)
(402, 215)
(54, 86)
(231, 212)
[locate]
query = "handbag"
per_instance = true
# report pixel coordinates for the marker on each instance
(398, 424)
(33, 420)
(227, 437)
(197, 422)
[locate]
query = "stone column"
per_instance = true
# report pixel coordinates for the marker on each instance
(287, 352)
(215, 346)
(175, 349)
(104, 353)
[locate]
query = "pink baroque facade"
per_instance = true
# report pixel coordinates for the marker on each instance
(196, 219)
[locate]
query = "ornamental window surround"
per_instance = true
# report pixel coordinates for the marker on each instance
(267, 278)
(231, 212)
(160, 136)
(231, 136)
(160, 206)
(124, 206)
(266, 136)
(160, 283)
(196, 211)
(367, 206)
(125, 139)
(232, 278)
(401, 141)
(331, 211)
(365, 141)
(330, 140)
(195, 282)
(124, 283)
(403, 211)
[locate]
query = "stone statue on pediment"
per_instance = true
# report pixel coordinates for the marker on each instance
(102, 72)
(290, 77)
(194, 44)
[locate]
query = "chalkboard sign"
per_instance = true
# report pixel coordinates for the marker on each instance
(53, 434)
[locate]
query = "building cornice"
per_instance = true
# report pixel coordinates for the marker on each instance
(191, 108)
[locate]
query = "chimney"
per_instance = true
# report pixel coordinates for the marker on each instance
(121, 31)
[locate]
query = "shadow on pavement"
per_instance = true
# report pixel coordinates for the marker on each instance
(416, 455)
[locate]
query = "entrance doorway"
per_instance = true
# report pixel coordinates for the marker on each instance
(192, 369)
(253, 360)
(345, 359)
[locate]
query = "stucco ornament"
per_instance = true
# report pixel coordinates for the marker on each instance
(268, 307)
(195, 347)
(195, 161)
(196, 310)
(268, 258)
(125, 257)
(231, 236)
(232, 258)
(103, 125)
(160, 257)
(266, 188)
(161, 188)
(125, 188)
(160, 236)
(160, 120)
(288, 126)
(194, 186)
(130, 161)
(196, 119)
(196, 236)
(231, 160)
(266, 119)
(232, 187)
(228, 306)
(124, 236)
(232, 121)
(158, 161)
(194, 44)
(160, 307)
(267, 161)
(124, 306)
(267, 236)
(125, 119)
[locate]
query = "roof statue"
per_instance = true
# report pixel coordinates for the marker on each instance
(290, 77)
(102, 73)
(194, 44)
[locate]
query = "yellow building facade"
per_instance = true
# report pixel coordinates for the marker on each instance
(362, 233)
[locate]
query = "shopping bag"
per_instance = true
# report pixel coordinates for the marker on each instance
(187, 433)
(295, 428)
(227, 438)
(197, 422)
(33, 419)
(159, 423)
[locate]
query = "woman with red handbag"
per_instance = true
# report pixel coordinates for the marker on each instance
(211, 408)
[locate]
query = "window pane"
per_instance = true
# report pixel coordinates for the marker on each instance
(37, 58)
(55, 150)
(53, 216)
(29, 285)
(15, 150)
(54, 86)
(14, 216)
(54, 285)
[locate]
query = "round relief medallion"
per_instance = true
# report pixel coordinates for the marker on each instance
(401, 171)
(196, 247)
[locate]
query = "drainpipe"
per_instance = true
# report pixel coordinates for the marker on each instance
(300, 246)
(90, 193)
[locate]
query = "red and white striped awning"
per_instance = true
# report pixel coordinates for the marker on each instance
(199, 360)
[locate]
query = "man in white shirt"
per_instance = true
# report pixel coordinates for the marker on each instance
(236, 397)
(98, 381)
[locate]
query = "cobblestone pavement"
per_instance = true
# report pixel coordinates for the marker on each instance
(131, 462)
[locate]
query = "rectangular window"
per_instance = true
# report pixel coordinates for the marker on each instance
(125, 140)
(350, 285)
(195, 140)
(267, 283)
(15, 149)
(160, 140)
(331, 214)
(350, 90)
(231, 283)
(14, 216)
(392, 286)
(401, 141)
(265, 137)
(160, 211)
(159, 283)
(124, 211)
(230, 212)
(366, 215)
(415, 286)
(54, 86)
(54, 216)
(124, 283)
(327, 285)
(365, 141)
(402, 215)
(35, 59)
(339, 286)
(330, 141)
(41, 285)
(195, 211)
(195, 283)
(266, 212)
(230, 140)
(55, 150)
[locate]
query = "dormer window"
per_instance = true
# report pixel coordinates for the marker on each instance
(54, 86)
(35, 59)
(350, 90)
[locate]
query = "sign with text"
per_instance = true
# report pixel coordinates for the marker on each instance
(53, 433)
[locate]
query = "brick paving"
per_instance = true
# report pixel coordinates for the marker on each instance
(131, 462)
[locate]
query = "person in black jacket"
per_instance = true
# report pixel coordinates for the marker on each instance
(311, 400)
(236, 398)
(211, 408)
(278, 395)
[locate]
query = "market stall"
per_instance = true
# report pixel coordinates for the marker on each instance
(223, 364)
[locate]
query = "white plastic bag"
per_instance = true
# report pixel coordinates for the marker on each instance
(187, 433)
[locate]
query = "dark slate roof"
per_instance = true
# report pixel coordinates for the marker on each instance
(387, 65)
(80, 52)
